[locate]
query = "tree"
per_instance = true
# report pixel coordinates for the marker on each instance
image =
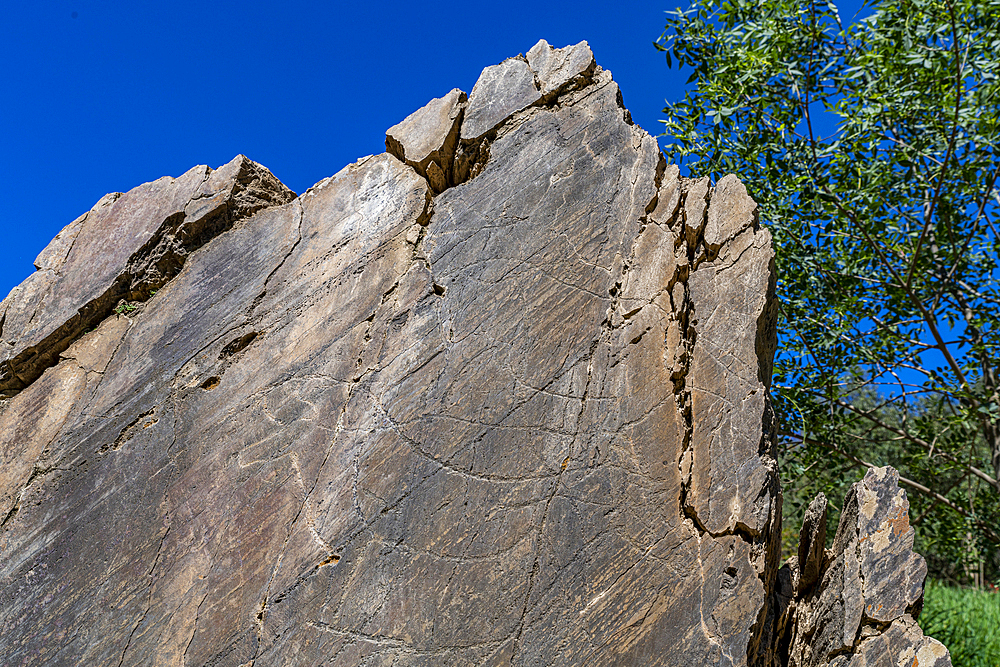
(873, 150)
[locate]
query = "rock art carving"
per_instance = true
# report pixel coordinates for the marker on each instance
(498, 396)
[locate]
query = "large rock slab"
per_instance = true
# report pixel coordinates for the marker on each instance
(496, 397)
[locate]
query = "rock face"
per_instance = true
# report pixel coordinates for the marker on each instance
(125, 247)
(856, 603)
(495, 397)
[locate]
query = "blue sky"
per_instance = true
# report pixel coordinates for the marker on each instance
(101, 96)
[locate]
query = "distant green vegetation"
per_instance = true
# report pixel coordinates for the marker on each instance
(966, 621)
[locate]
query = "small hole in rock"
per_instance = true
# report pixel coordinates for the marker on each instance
(331, 559)
(439, 289)
(237, 345)
(211, 383)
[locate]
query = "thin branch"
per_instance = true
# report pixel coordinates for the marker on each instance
(935, 501)
(928, 317)
(929, 213)
(972, 233)
(920, 441)
(902, 480)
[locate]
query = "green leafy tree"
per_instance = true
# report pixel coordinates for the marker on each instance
(872, 149)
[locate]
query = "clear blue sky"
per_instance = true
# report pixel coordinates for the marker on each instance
(100, 96)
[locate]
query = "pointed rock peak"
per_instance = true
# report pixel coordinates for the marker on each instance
(557, 67)
(502, 90)
(812, 539)
(892, 574)
(870, 585)
(518, 83)
(426, 139)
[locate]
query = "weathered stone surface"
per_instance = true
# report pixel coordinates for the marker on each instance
(520, 418)
(124, 248)
(870, 589)
(555, 68)
(427, 138)
(812, 543)
(902, 644)
(500, 91)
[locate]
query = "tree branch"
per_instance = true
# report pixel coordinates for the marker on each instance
(929, 212)
(902, 480)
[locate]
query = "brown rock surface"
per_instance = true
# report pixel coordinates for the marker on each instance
(555, 68)
(520, 419)
(124, 248)
(500, 91)
(861, 611)
(426, 140)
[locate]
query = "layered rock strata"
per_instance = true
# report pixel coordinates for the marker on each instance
(855, 605)
(495, 397)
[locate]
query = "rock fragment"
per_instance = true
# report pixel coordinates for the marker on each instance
(427, 138)
(812, 543)
(501, 91)
(862, 611)
(555, 68)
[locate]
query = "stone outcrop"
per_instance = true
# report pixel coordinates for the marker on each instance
(856, 603)
(127, 246)
(498, 396)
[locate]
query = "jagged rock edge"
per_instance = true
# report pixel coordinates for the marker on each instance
(471, 155)
(480, 147)
(136, 284)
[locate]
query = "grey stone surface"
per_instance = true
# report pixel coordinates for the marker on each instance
(870, 588)
(125, 247)
(903, 643)
(426, 140)
(555, 68)
(501, 91)
(812, 543)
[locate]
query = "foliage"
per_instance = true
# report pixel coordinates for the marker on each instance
(126, 307)
(954, 548)
(965, 621)
(872, 149)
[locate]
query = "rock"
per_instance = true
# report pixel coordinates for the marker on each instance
(728, 377)
(555, 68)
(870, 589)
(501, 91)
(124, 248)
(428, 137)
(902, 644)
(812, 541)
(499, 397)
